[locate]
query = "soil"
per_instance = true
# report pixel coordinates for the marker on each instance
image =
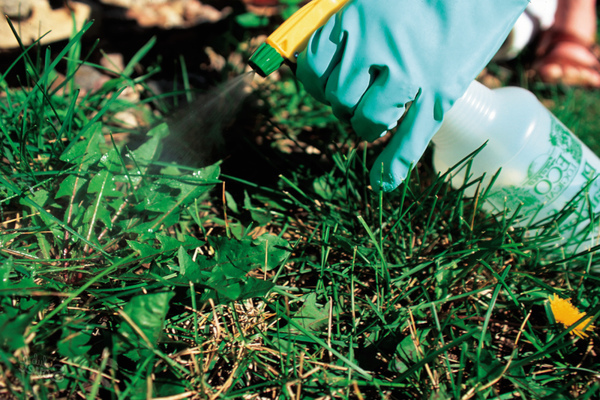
(204, 34)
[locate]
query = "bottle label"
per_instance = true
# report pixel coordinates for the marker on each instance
(559, 173)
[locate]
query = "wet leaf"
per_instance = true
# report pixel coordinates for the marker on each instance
(170, 203)
(265, 251)
(86, 151)
(103, 185)
(225, 275)
(111, 161)
(6, 268)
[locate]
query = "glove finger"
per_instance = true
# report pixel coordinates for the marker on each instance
(346, 87)
(321, 55)
(382, 105)
(422, 121)
(328, 67)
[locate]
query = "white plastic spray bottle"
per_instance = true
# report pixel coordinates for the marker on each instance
(543, 166)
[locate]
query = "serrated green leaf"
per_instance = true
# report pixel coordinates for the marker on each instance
(168, 243)
(227, 290)
(116, 203)
(407, 353)
(104, 184)
(155, 199)
(85, 151)
(323, 188)
(74, 343)
(92, 214)
(489, 368)
(39, 197)
(44, 245)
(143, 156)
(260, 215)
(311, 317)
(144, 250)
(445, 278)
(111, 161)
(185, 261)
(13, 324)
(171, 204)
(266, 251)
(237, 230)
(224, 276)
(6, 238)
(70, 186)
(190, 241)
(147, 313)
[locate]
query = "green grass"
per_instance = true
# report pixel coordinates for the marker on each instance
(274, 274)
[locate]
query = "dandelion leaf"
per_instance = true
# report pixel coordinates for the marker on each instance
(224, 275)
(70, 186)
(14, 322)
(147, 315)
(85, 151)
(163, 201)
(74, 345)
(410, 350)
(310, 317)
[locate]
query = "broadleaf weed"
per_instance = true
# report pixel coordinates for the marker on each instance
(134, 277)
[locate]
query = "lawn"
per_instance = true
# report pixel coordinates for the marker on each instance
(227, 246)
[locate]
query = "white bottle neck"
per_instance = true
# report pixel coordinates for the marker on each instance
(476, 108)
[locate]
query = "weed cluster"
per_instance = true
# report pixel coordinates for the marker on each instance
(124, 276)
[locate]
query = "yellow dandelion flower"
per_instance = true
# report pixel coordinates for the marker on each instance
(567, 314)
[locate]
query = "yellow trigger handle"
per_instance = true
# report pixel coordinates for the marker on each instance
(291, 37)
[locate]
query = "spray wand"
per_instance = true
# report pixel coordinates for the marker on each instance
(287, 41)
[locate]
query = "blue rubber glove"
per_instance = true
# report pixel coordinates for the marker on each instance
(375, 56)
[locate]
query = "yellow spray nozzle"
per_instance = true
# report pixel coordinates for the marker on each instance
(291, 36)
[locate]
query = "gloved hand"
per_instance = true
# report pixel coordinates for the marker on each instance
(375, 56)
